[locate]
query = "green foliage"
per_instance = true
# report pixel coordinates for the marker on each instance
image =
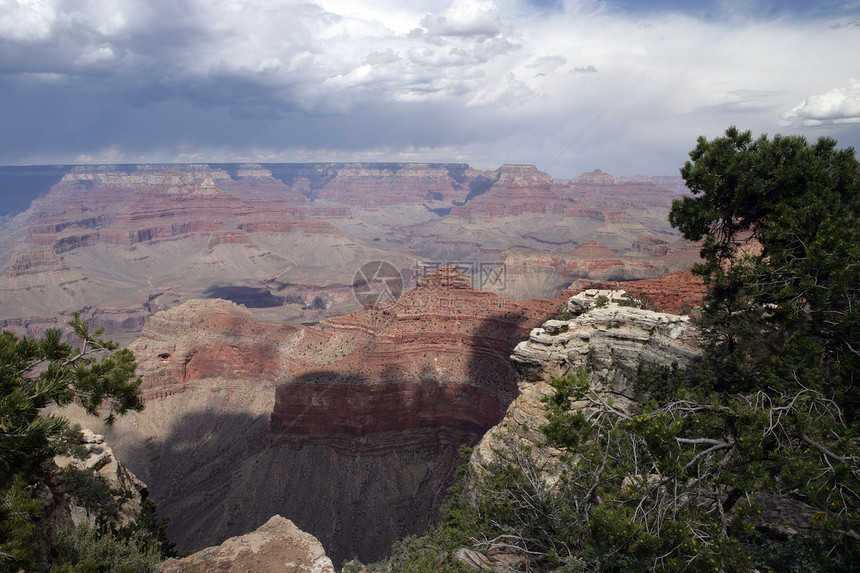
(794, 555)
(601, 301)
(150, 526)
(20, 543)
(667, 487)
(781, 257)
(627, 300)
(565, 315)
(658, 383)
(565, 429)
(90, 490)
(36, 374)
(98, 550)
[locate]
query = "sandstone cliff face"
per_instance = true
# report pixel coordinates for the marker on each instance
(609, 341)
(277, 546)
(205, 339)
(435, 359)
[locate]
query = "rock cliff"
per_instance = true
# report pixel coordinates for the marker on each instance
(433, 360)
(605, 338)
(128, 491)
(96, 489)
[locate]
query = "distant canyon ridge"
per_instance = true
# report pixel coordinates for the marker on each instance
(118, 243)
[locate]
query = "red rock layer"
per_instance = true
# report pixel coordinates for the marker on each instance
(144, 237)
(156, 204)
(210, 339)
(36, 261)
(678, 292)
(437, 357)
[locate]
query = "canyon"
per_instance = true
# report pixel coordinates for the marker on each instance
(271, 386)
(118, 243)
(350, 428)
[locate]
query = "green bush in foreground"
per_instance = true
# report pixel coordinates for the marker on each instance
(34, 375)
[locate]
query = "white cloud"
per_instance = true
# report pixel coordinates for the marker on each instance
(465, 18)
(94, 54)
(112, 154)
(26, 20)
(837, 106)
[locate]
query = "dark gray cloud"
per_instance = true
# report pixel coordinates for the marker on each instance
(484, 81)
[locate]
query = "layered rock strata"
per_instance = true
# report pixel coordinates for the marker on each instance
(119, 243)
(676, 293)
(606, 339)
(350, 428)
(434, 361)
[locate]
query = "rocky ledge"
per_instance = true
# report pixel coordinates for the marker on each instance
(276, 546)
(606, 337)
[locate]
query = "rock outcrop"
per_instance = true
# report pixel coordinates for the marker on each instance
(277, 546)
(676, 293)
(128, 491)
(89, 491)
(607, 339)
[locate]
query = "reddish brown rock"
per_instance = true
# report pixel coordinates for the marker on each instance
(350, 427)
(36, 261)
(529, 271)
(144, 238)
(436, 358)
(675, 293)
(205, 339)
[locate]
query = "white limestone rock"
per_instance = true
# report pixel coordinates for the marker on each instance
(607, 339)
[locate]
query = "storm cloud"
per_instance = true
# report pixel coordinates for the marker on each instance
(610, 84)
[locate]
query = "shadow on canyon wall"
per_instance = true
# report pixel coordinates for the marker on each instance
(218, 471)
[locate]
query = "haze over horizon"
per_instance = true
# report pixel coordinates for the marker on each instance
(568, 86)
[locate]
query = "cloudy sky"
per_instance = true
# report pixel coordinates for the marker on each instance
(567, 85)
